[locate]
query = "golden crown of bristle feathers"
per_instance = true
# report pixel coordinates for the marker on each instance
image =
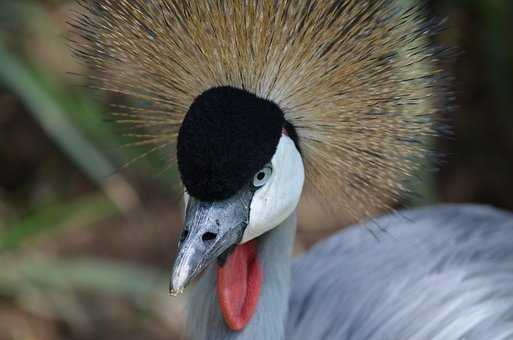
(355, 78)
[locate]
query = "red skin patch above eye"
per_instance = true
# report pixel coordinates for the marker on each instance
(238, 285)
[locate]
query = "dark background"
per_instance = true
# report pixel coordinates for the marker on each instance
(86, 243)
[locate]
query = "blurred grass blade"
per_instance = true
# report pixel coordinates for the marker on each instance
(48, 286)
(46, 110)
(111, 278)
(79, 213)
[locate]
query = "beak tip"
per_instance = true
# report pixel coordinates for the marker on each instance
(179, 280)
(176, 288)
(174, 292)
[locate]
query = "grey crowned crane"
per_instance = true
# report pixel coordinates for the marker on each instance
(271, 100)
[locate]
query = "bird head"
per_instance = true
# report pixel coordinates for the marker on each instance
(261, 96)
(243, 174)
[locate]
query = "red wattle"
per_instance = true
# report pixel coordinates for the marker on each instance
(238, 285)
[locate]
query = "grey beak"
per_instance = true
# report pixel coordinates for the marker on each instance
(211, 229)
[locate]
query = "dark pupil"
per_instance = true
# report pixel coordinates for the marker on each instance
(260, 176)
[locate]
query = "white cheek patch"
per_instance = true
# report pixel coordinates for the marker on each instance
(278, 198)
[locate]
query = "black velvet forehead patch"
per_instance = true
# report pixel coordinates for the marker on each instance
(227, 135)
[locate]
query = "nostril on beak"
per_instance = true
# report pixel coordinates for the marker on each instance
(208, 237)
(184, 235)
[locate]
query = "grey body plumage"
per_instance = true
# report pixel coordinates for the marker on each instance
(442, 273)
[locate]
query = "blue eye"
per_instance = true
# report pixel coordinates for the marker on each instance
(262, 176)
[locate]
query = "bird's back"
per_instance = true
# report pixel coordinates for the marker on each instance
(438, 273)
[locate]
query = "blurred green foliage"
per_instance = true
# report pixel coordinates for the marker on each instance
(37, 69)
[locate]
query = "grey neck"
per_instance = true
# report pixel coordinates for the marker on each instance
(274, 251)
